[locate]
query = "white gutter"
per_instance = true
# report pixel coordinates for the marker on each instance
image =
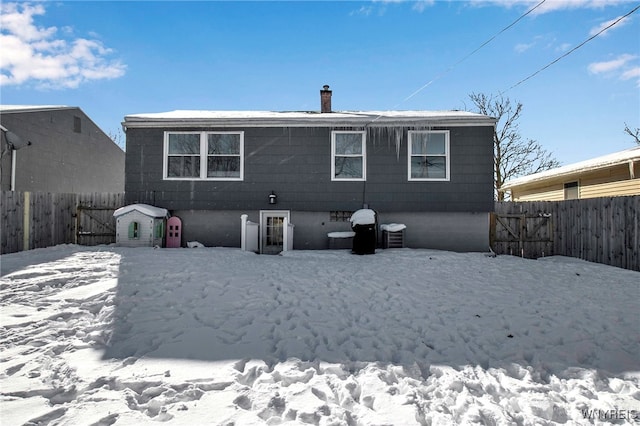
(235, 125)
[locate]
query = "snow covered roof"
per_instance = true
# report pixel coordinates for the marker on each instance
(616, 158)
(31, 108)
(145, 209)
(187, 118)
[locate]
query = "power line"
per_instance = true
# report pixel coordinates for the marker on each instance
(472, 53)
(574, 49)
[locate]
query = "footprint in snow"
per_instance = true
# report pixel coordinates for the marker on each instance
(243, 402)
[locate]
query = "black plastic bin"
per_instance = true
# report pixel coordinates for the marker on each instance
(364, 242)
(364, 223)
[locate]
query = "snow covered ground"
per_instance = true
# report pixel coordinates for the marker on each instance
(108, 335)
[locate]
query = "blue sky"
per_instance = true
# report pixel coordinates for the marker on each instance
(116, 58)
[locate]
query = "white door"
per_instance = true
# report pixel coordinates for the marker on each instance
(272, 230)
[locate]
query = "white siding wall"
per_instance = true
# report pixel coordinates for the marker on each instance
(608, 182)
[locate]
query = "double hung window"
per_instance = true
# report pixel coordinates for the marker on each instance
(348, 155)
(224, 155)
(204, 155)
(183, 155)
(429, 155)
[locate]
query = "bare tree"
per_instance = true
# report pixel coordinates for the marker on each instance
(513, 155)
(117, 136)
(635, 133)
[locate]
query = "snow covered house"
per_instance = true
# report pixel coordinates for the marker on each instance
(429, 170)
(616, 174)
(140, 225)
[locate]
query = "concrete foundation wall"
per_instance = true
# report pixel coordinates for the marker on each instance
(434, 230)
(461, 232)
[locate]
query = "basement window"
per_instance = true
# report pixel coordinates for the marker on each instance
(340, 216)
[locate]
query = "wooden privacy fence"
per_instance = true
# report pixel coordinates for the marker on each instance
(38, 219)
(604, 230)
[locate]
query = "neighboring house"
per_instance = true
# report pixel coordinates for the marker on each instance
(607, 176)
(61, 150)
(432, 171)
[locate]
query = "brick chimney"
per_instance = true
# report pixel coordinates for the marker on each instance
(325, 99)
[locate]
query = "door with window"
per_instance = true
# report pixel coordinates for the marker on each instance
(272, 231)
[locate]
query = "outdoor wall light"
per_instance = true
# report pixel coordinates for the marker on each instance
(273, 198)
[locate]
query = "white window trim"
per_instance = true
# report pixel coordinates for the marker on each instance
(203, 156)
(363, 155)
(447, 156)
(165, 156)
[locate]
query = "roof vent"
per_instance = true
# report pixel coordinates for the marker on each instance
(325, 99)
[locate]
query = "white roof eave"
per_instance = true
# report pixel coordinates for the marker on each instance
(181, 119)
(8, 109)
(614, 159)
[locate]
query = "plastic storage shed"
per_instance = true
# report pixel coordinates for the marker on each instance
(140, 225)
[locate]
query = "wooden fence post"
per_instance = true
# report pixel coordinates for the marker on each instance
(26, 222)
(76, 216)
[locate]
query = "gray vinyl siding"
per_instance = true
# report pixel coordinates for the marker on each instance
(62, 157)
(295, 163)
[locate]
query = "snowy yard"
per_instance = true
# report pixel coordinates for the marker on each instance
(107, 335)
